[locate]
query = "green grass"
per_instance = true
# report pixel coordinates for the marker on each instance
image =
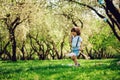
(106, 69)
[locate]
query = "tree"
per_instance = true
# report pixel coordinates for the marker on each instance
(12, 20)
(113, 14)
(11, 26)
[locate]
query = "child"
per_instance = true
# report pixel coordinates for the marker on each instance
(75, 42)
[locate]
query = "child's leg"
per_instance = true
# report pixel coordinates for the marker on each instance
(74, 58)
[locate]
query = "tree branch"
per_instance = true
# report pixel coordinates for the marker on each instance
(113, 9)
(101, 16)
(19, 22)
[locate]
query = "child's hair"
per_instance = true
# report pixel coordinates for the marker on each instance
(76, 29)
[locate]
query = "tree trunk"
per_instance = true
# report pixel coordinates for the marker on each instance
(23, 51)
(13, 41)
(113, 10)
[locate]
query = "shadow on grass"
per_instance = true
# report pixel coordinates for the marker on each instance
(61, 70)
(39, 69)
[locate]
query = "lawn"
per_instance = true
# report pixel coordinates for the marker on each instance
(105, 69)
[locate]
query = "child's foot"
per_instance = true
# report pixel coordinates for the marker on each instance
(77, 65)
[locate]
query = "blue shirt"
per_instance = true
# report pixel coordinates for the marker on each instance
(74, 41)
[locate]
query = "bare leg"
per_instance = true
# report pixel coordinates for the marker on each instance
(74, 58)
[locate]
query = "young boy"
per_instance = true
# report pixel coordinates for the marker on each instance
(75, 42)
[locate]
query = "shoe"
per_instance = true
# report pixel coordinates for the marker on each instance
(78, 65)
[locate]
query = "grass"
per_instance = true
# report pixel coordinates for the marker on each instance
(106, 69)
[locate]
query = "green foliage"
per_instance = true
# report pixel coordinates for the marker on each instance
(47, 24)
(104, 39)
(59, 70)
